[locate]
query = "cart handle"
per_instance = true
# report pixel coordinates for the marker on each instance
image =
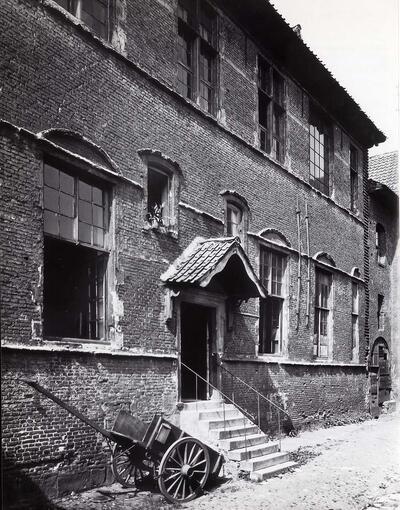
(71, 409)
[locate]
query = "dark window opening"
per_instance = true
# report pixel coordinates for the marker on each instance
(271, 326)
(353, 178)
(74, 291)
(271, 110)
(94, 13)
(380, 242)
(319, 151)
(158, 203)
(381, 312)
(354, 319)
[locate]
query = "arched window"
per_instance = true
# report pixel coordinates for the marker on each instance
(380, 243)
(236, 215)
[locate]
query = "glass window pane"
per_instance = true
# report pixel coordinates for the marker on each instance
(67, 183)
(98, 216)
(85, 233)
(67, 205)
(51, 199)
(66, 227)
(85, 211)
(51, 176)
(85, 191)
(50, 223)
(97, 196)
(98, 236)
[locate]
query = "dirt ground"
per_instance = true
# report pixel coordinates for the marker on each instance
(347, 467)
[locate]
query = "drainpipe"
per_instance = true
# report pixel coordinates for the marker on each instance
(308, 268)
(299, 263)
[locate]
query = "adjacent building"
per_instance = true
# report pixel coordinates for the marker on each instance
(184, 188)
(384, 267)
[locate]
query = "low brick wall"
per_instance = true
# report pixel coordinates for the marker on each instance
(47, 452)
(310, 394)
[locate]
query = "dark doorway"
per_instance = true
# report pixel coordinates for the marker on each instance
(380, 380)
(197, 326)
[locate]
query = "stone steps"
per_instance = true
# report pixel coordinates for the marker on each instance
(224, 426)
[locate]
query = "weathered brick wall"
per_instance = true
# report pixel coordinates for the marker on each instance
(381, 276)
(310, 394)
(54, 449)
(56, 75)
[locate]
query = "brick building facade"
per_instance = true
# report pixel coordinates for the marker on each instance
(384, 266)
(134, 136)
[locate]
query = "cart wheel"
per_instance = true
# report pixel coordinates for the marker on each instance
(125, 471)
(184, 470)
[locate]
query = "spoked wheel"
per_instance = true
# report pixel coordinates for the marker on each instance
(184, 470)
(129, 467)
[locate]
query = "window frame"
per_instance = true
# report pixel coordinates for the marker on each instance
(203, 45)
(354, 165)
(273, 103)
(74, 7)
(83, 174)
(231, 200)
(355, 326)
(157, 162)
(273, 299)
(319, 311)
(319, 124)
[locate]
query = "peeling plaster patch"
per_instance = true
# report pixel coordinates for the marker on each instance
(36, 329)
(117, 337)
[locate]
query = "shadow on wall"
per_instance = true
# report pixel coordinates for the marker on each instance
(19, 492)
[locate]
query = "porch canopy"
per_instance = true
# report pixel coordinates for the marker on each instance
(219, 264)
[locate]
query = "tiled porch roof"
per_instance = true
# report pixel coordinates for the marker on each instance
(205, 258)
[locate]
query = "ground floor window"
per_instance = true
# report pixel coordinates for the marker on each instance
(271, 326)
(74, 291)
(323, 284)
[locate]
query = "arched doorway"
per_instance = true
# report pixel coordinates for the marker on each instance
(380, 380)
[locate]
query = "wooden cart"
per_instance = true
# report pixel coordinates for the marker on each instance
(160, 451)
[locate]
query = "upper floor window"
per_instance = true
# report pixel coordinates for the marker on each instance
(353, 178)
(272, 269)
(234, 217)
(75, 255)
(322, 313)
(160, 191)
(271, 110)
(319, 151)
(197, 35)
(380, 242)
(96, 14)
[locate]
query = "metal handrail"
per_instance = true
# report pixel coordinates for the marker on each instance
(253, 389)
(219, 391)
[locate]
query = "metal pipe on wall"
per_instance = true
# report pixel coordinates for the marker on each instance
(299, 263)
(308, 267)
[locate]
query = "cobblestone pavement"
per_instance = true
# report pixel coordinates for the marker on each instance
(352, 467)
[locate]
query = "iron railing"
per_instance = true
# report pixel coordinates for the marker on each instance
(262, 400)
